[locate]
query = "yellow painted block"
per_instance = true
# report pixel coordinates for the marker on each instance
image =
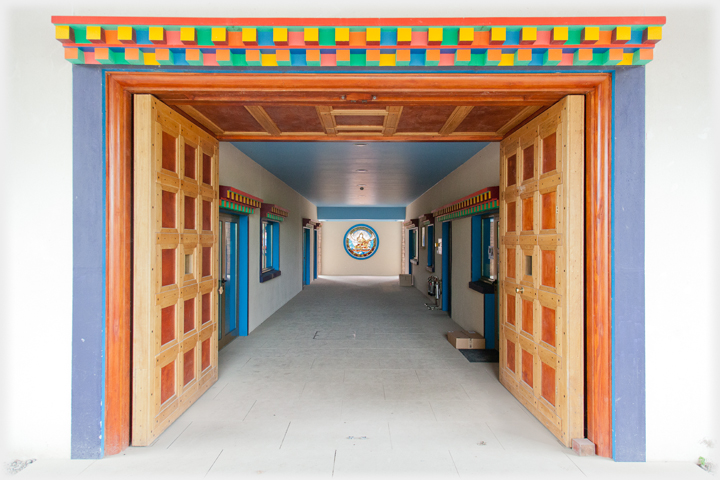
(219, 35)
(156, 34)
(62, 32)
(312, 35)
(404, 35)
(529, 34)
(654, 33)
(627, 59)
(280, 35)
(591, 34)
(249, 35)
(623, 33)
(149, 58)
(387, 59)
(497, 34)
(372, 35)
(125, 34)
(435, 35)
(342, 35)
(507, 60)
(560, 34)
(269, 60)
(93, 33)
(187, 34)
(466, 35)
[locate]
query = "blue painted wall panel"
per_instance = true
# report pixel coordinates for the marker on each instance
(88, 324)
(361, 213)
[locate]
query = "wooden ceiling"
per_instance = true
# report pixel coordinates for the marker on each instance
(286, 122)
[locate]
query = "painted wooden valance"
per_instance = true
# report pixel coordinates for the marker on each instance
(426, 219)
(273, 212)
(369, 42)
(412, 223)
(478, 202)
(307, 222)
(238, 201)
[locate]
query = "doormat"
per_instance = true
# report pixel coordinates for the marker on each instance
(487, 355)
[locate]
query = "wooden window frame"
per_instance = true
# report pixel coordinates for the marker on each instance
(595, 86)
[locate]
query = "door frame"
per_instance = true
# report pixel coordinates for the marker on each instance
(597, 88)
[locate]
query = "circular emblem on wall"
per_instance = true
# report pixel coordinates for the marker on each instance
(361, 241)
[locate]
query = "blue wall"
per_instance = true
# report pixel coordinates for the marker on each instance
(361, 213)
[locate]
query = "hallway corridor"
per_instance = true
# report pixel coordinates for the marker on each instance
(354, 377)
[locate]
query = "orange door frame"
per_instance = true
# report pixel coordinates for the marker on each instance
(120, 86)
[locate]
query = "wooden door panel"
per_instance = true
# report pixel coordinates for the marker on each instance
(174, 315)
(541, 215)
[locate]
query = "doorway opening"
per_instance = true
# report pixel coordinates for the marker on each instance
(595, 87)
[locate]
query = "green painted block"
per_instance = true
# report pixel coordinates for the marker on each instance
(450, 36)
(574, 36)
(81, 36)
(204, 36)
(577, 61)
(478, 59)
(326, 36)
(357, 59)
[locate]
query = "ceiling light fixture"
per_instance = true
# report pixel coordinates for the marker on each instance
(360, 144)
(361, 170)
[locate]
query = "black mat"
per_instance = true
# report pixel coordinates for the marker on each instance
(481, 356)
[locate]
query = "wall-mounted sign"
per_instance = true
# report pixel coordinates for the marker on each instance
(361, 241)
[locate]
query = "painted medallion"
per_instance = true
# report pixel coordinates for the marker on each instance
(361, 242)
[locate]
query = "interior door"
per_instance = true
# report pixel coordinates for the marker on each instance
(541, 267)
(228, 282)
(175, 224)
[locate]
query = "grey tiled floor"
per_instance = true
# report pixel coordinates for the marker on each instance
(355, 378)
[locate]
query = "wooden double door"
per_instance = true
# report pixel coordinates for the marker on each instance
(541, 267)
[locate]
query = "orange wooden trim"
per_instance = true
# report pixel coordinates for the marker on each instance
(118, 283)
(598, 333)
(595, 86)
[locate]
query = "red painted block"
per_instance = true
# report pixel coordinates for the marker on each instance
(328, 60)
(235, 39)
(173, 38)
(419, 38)
(297, 39)
(447, 60)
(544, 37)
(357, 39)
(209, 60)
(567, 60)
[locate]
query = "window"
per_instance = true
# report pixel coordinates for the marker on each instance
(269, 250)
(431, 248)
(413, 246)
(484, 253)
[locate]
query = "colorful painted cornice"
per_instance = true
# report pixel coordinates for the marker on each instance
(238, 201)
(478, 202)
(549, 42)
(426, 219)
(273, 212)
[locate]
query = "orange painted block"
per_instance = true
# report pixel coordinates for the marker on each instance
(223, 55)
(235, 39)
(402, 56)
(559, 36)
(404, 36)
(554, 55)
(163, 55)
(132, 55)
(466, 36)
(372, 36)
(312, 56)
(373, 55)
(357, 39)
(614, 56)
(74, 55)
(652, 35)
(528, 35)
(498, 35)
(590, 35)
(157, 35)
(193, 56)
(605, 37)
(111, 37)
(643, 56)
(102, 55)
(482, 38)
(432, 55)
(621, 35)
(249, 37)
(342, 55)
(126, 35)
(283, 56)
(435, 36)
(494, 55)
(187, 36)
(64, 34)
(251, 56)
(95, 34)
(524, 55)
(463, 55)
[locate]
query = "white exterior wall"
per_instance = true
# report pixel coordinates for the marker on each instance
(683, 389)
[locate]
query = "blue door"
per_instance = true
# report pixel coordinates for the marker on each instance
(233, 268)
(306, 256)
(315, 238)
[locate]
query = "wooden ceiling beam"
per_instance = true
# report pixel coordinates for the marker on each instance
(358, 137)
(263, 119)
(296, 99)
(328, 122)
(360, 128)
(359, 112)
(518, 119)
(455, 119)
(391, 121)
(201, 119)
